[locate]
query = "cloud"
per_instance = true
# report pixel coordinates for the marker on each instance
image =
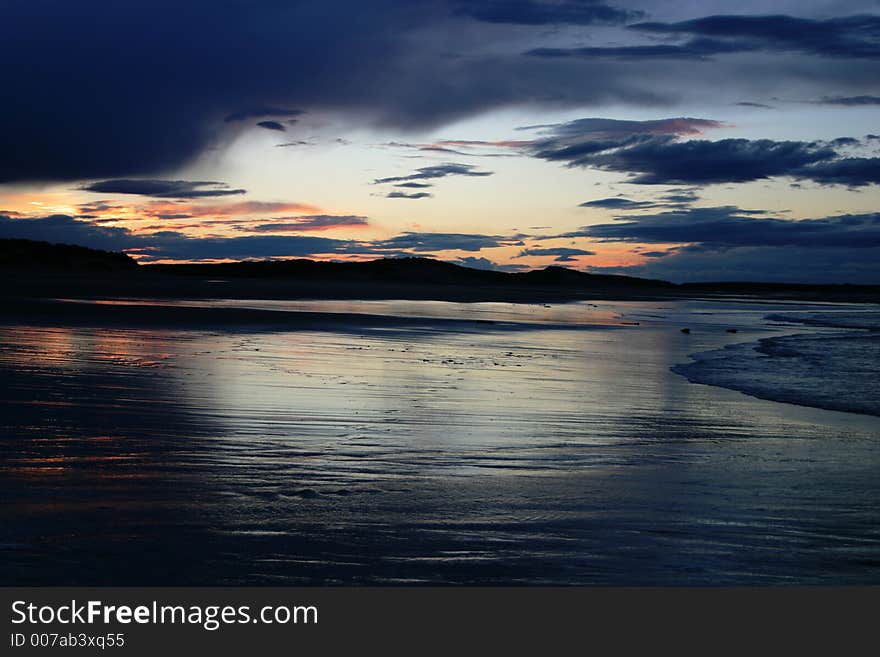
(153, 84)
(420, 242)
(729, 243)
(682, 196)
(414, 185)
(618, 203)
(602, 128)
(66, 230)
(163, 188)
(561, 254)
(677, 198)
(272, 125)
(849, 37)
(436, 171)
(728, 227)
(651, 152)
(850, 171)
(488, 265)
(695, 49)
(746, 103)
(849, 101)
(165, 244)
(664, 160)
(416, 195)
(466, 147)
(261, 112)
(164, 209)
(467, 143)
(770, 264)
(173, 245)
(310, 223)
(544, 12)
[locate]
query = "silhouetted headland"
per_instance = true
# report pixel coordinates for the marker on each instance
(40, 269)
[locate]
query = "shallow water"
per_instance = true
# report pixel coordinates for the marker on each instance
(484, 455)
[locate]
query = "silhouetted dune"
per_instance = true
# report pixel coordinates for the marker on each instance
(41, 269)
(32, 254)
(403, 270)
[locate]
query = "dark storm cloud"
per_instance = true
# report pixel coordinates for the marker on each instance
(729, 227)
(272, 125)
(164, 188)
(544, 12)
(113, 89)
(416, 195)
(436, 171)
(102, 89)
(106, 89)
(651, 152)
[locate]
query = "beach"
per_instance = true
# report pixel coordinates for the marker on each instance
(259, 442)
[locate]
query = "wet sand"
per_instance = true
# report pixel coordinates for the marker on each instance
(228, 447)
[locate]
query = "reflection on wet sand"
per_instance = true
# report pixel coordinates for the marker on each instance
(422, 455)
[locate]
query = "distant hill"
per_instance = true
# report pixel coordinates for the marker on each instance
(34, 255)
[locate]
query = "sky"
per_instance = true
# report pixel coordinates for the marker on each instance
(688, 141)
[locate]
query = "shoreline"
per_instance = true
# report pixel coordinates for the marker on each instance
(24, 284)
(82, 313)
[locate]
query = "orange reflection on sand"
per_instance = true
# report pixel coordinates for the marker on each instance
(42, 346)
(60, 347)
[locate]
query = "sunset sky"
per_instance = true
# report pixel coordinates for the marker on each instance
(687, 141)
